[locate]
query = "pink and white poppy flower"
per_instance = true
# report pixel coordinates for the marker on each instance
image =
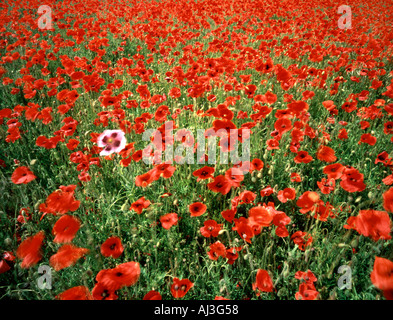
(111, 141)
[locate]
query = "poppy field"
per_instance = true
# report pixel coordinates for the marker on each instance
(192, 150)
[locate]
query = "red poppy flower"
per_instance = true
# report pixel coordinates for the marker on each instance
(326, 154)
(203, 173)
(326, 185)
(232, 254)
(295, 177)
(260, 216)
(60, 201)
(216, 250)
(144, 180)
(263, 281)
(388, 127)
(197, 209)
(388, 180)
(210, 228)
(303, 157)
(244, 229)
(112, 247)
(266, 191)
(247, 197)
(75, 293)
(125, 274)
(139, 205)
(306, 292)
(163, 170)
(72, 144)
(101, 292)
(220, 298)
(334, 171)
(256, 164)
(382, 274)
(302, 239)
(342, 134)
(368, 139)
(168, 220)
(66, 256)
(179, 287)
(307, 201)
(352, 180)
(283, 125)
(22, 175)
(383, 157)
(228, 215)
(152, 295)
(371, 223)
(4, 266)
(65, 229)
(286, 194)
(30, 250)
(220, 184)
(234, 177)
(388, 200)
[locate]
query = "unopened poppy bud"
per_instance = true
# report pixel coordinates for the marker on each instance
(370, 195)
(37, 204)
(307, 254)
(253, 179)
(259, 175)
(283, 292)
(175, 202)
(90, 240)
(32, 162)
(285, 270)
(358, 199)
(7, 241)
(221, 231)
(150, 215)
(333, 295)
(355, 243)
(124, 206)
